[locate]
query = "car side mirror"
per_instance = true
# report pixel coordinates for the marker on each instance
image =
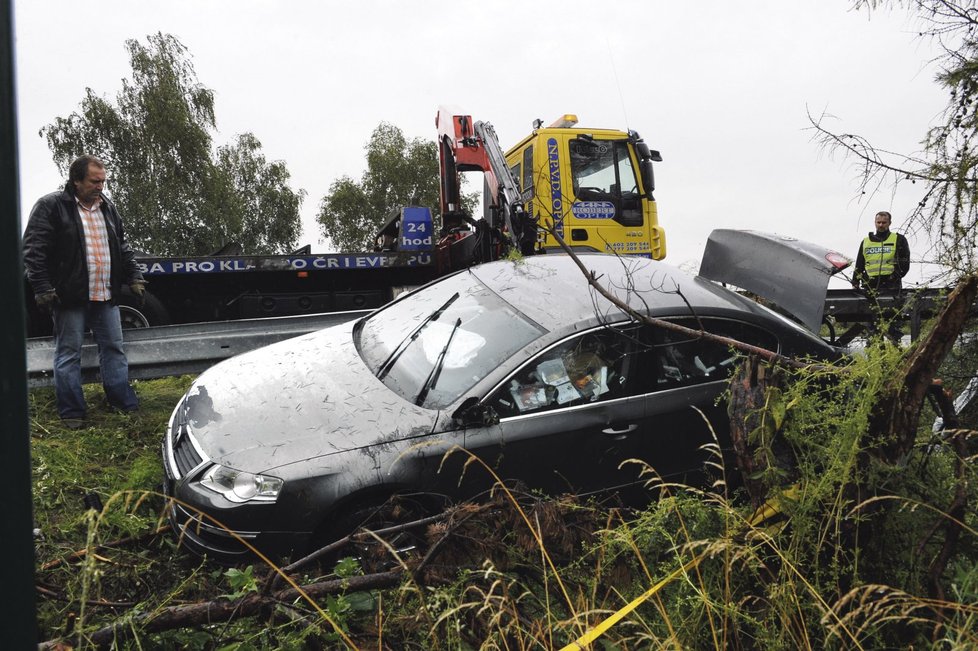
(472, 413)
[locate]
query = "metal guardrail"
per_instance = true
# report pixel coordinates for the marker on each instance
(854, 309)
(180, 349)
(192, 348)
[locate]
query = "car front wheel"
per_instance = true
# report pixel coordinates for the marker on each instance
(384, 532)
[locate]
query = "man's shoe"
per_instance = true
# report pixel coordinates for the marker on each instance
(112, 409)
(73, 423)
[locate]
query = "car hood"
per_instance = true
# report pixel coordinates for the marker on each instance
(296, 400)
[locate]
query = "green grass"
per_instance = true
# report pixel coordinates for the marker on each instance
(116, 458)
(113, 452)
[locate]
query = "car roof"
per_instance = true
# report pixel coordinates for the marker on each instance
(553, 291)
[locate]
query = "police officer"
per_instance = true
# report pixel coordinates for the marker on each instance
(882, 262)
(883, 259)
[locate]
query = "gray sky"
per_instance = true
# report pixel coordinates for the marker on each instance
(722, 89)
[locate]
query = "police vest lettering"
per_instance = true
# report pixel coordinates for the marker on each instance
(880, 257)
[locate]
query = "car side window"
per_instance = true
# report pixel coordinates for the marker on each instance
(683, 360)
(587, 368)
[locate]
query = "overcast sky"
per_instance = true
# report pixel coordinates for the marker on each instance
(722, 89)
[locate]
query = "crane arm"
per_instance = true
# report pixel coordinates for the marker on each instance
(465, 146)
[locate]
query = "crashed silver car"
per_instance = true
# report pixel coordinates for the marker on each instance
(522, 365)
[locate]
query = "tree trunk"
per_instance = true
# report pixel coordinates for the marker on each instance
(897, 413)
(757, 441)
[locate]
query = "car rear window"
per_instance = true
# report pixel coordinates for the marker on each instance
(435, 344)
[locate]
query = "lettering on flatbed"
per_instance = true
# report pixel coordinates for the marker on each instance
(154, 267)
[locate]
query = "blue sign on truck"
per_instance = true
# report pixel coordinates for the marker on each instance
(416, 230)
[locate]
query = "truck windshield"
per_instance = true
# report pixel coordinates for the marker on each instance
(434, 345)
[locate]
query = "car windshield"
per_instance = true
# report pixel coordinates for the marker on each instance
(434, 345)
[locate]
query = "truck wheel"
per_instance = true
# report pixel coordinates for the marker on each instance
(136, 313)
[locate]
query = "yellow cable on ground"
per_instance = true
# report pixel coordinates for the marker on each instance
(766, 511)
(585, 640)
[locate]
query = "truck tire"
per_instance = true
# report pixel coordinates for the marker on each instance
(141, 313)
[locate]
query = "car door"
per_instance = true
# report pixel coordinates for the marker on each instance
(654, 407)
(683, 379)
(561, 415)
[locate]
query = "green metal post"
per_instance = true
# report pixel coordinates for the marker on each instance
(18, 616)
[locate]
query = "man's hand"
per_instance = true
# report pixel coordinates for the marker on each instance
(138, 288)
(46, 301)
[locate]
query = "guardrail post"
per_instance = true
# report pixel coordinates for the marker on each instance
(915, 321)
(18, 616)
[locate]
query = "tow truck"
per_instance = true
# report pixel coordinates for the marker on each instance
(593, 187)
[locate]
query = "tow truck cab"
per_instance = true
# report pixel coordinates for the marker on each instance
(594, 185)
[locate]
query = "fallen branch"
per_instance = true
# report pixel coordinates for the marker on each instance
(260, 603)
(52, 593)
(275, 578)
(76, 556)
(222, 610)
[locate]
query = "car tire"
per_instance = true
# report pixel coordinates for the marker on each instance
(375, 514)
(136, 312)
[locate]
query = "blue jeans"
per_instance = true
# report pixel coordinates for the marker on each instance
(70, 324)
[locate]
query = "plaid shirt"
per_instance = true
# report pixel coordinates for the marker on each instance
(96, 251)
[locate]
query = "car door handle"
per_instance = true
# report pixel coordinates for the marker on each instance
(620, 433)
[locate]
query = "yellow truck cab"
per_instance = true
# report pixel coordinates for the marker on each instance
(593, 186)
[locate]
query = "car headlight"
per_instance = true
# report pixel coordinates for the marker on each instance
(238, 486)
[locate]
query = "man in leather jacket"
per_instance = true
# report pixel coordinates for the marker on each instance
(77, 258)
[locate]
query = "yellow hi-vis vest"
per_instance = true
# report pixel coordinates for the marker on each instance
(880, 257)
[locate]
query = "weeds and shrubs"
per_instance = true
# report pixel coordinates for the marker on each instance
(848, 567)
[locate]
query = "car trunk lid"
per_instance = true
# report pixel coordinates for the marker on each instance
(788, 272)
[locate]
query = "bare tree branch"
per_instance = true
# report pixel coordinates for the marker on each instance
(222, 610)
(947, 169)
(638, 316)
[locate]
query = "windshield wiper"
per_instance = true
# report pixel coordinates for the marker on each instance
(388, 364)
(432, 380)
